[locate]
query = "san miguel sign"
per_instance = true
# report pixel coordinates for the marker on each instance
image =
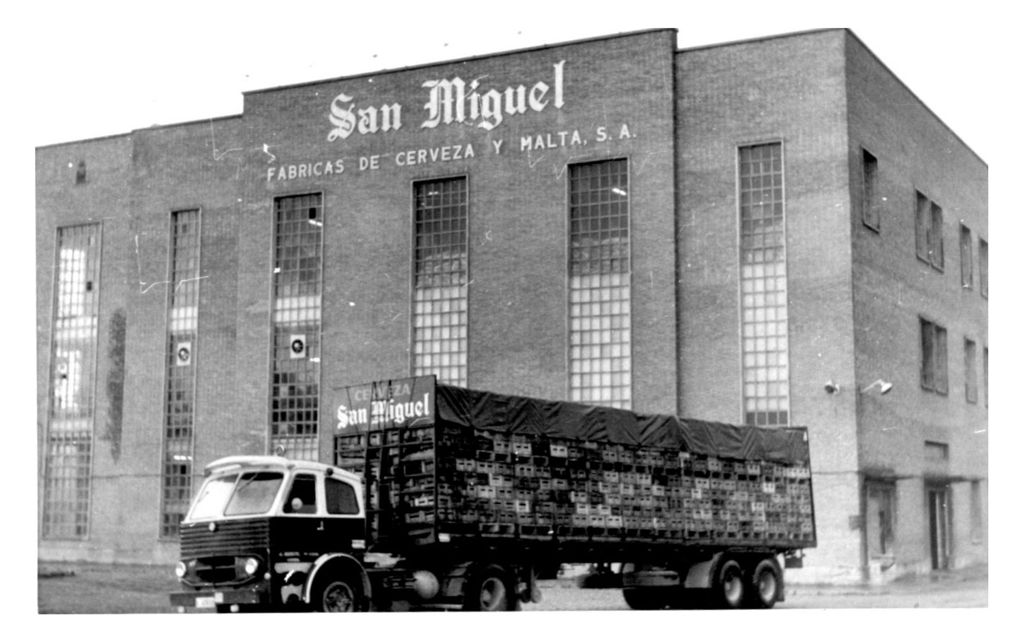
(386, 404)
(477, 104)
(450, 101)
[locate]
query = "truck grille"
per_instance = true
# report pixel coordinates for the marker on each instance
(230, 538)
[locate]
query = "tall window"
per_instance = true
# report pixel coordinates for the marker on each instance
(983, 267)
(179, 401)
(966, 258)
(870, 214)
(68, 461)
(441, 280)
(934, 372)
(295, 350)
(763, 309)
(599, 275)
(928, 232)
(970, 371)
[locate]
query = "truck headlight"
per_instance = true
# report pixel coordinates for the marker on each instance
(251, 565)
(180, 569)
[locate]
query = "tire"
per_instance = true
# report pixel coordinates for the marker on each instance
(646, 598)
(729, 587)
(338, 593)
(490, 590)
(764, 585)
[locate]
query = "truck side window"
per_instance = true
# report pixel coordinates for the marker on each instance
(341, 498)
(303, 489)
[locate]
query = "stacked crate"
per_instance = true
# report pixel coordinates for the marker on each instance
(471, 482)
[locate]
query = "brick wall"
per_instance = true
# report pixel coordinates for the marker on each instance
(893, 289)
(789, 90)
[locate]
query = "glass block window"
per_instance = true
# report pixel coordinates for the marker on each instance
(295, 321)
(180, 380)
(763, 300)
(68, 459)
(441, 280)
(600, 364)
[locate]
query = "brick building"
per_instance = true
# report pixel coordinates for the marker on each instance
(773, 231)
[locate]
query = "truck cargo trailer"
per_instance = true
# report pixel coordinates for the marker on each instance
(445, 496)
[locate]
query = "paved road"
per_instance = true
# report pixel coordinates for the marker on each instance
(106, 589)
(963, 588)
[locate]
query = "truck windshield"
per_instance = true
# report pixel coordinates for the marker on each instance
(254, 493)
(212, 497)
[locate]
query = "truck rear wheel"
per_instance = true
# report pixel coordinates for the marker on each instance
(490, 590)
(764, 586)
(337, 594)
(729, 586)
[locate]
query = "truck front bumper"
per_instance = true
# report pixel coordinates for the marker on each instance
(211, 598)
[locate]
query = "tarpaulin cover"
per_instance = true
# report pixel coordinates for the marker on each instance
(572, 421)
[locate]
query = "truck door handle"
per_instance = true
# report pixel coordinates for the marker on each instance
(321, 526)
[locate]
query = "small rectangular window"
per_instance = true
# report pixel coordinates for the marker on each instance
(870, 214)
(970, 371)
(922, 222)
(935, 241)
(934, 372)
(983, 267)
(984, 371)
(928, 232)
(966, 258)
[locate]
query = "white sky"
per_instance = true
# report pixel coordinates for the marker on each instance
(82, 69)
(102, 67)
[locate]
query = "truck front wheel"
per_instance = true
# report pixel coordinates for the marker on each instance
(337, 594)
(490, 590)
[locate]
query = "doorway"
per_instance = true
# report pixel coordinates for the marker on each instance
(939, 523)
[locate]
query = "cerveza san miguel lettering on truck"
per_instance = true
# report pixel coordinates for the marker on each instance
(448, 497)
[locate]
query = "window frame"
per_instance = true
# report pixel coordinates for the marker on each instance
(970, 370)
(871, 215)
(190, 297)
(762, 393)
(934, 357)
(606, 376)
(451, 365)
(983, 267)
(929, 242)
(966, 258)
(69, 447)
(306, 445)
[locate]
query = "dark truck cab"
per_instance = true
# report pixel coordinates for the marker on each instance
(264, 531)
